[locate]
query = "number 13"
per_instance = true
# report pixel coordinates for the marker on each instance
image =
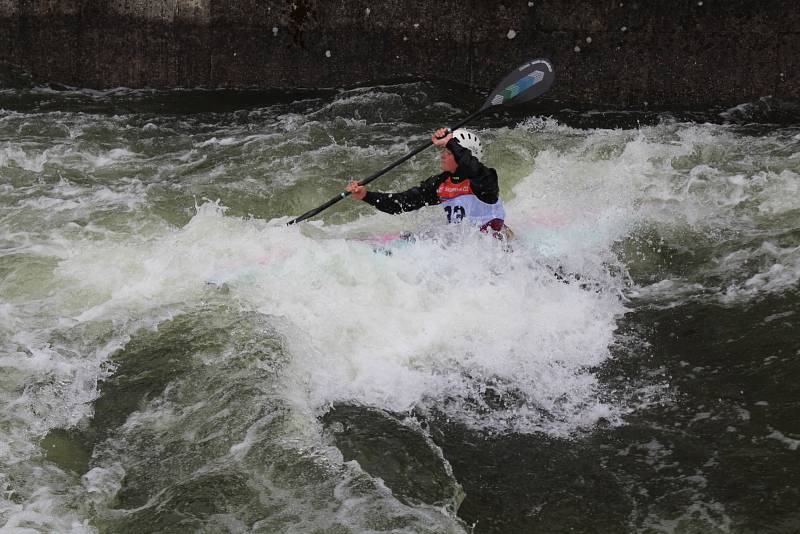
(454, 213)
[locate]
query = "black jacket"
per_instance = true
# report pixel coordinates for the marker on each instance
(482, 179)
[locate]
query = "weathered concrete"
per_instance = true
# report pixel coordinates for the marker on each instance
(684, 53)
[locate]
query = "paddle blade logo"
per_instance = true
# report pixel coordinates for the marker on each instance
(517, 87)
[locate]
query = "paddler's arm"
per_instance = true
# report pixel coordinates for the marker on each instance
(413, 199)
(482, 178)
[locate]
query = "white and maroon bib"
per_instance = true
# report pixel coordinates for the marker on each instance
(460, 203)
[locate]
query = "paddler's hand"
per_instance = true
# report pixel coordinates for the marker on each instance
(356, 190)
(441, 136)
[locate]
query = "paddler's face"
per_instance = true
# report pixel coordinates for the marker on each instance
(447, 161)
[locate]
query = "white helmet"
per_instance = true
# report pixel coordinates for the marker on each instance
(469, 141)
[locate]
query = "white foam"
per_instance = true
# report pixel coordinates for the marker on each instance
(781, 271)
(110, 157)
(431, 323)
(450, 323)
(780, 192)
(225, 141)
(22, 159)
(599, 187)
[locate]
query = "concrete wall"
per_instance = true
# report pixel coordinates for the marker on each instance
(679, 53)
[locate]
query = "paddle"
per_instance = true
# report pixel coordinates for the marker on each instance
(525, 83)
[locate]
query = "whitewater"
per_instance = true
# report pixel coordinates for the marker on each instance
(176, 358)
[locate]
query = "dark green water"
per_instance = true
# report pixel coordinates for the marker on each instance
(175, 359)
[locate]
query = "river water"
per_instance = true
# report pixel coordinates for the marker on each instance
(176, 359)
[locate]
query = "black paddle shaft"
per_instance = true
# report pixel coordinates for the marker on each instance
(526, 82)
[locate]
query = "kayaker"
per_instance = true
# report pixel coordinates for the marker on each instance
(466, 188)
